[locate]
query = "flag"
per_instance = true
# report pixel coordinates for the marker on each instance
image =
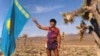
(15, 20)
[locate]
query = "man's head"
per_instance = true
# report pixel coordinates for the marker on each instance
(53, 22)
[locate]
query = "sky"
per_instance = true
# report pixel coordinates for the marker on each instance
(43, 11)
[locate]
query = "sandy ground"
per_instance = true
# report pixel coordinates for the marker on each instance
(70, 46)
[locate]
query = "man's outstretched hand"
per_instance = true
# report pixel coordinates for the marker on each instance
(34, 20)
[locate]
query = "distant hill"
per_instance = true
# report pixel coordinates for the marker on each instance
(72, 39)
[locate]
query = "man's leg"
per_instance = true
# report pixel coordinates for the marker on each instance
(48, 52)
(56, 52)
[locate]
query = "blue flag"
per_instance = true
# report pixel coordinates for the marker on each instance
(15, 20)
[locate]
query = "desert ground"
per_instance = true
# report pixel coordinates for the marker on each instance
(70, 46)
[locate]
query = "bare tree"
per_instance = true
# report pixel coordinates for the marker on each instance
(90, 11)
(25, 38)
(82, 29)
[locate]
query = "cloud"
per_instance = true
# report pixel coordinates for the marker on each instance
(45, 9)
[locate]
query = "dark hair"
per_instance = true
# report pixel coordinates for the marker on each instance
(53, 20)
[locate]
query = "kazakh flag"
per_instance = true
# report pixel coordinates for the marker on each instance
(15, 20)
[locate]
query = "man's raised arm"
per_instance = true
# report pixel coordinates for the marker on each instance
(39, 26)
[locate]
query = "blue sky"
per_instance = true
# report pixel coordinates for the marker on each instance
(43, 11)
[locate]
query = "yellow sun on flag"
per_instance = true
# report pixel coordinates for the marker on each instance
(8, 24)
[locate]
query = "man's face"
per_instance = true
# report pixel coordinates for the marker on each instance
(52, 24)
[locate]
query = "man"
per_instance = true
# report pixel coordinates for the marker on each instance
(53, 37)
